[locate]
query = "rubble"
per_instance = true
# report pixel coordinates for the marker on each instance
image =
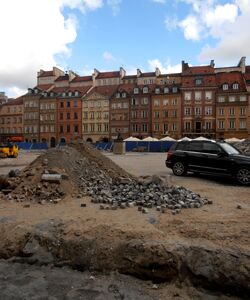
(244, 146)
(82, 171)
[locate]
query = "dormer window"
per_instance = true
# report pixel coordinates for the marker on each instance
(30, 91)
(51, 94)
(157, 91)
(76, 93)
(198, 81)
(145, 90)
(36, 91)
(123, 95)
(70, 94)
(45, 94)
(117, 95)
(136, 91)
(225, 87)
(166, 90)
(235, 86)
(174, 90)
(63, 94)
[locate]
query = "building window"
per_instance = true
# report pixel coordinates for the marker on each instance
(243, 98)
(208, 125)
(68, 104)
(136, 91)
(92, 127)
(157, 91)
(134, 114)
(144, 127)
(75, 115)
(174, 113)
(197, 96)
(243, 111)
(92, 115)
(75, 103)
(174, 89)
(85, 127)
(225, 87)
(231, 99)
(75, 128)
(208, 95)
(144, 114)
(187, 96)
(174, 126)
(68, 128)
(156, 127)
(187, 126)
(117, 95)
(61, 116)
(197, 111)
(157, 114)
(165, 102)
(99, 127)
(231, 111)
(156, 102)
(242, 124)
(208, 111)
(68, 116)
(166, 90)
(124, 95)
(221, 111)
(221, 124)
(235, 86)
(70, 94)
(231, 124)
(198, 81)
(85, 115)
(61, 104)
(187, 111)
(221, 99)
(134, 101)
(165, 114)
(145, 90)
(135, 127)
(165, 128)
(61, 128)
(106, 127)
(144, 101)
(76, 93)
(174, 101)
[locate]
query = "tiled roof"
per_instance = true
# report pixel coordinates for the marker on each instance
(44, 87)
(130, 77)
(46, 74)
(207, 81)
(63, 78)
(104, 75)
(149, 74)
(107, 91)
(247, 74)
(82, 90)
(230, 78)
(82, 79)
(17, 101)
(128, 88)
(200, 70)
(169, 75)
(59, 89)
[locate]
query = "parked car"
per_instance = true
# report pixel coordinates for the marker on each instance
(209, 157)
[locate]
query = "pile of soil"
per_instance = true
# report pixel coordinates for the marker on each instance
(244, 146)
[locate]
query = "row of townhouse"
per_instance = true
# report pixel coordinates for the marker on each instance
(201, 100)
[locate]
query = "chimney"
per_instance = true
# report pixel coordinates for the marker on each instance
(157, 72)
(212, 64)
(184, 65)
(122, 72)
(138, 73)
(242, 64)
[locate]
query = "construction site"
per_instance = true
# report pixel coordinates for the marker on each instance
(77, 223)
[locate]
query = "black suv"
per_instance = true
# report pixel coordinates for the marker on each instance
(209, 157)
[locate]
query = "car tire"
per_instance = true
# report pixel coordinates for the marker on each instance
(243, 176)
(179, 169)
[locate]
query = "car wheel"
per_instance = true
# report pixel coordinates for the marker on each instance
(243, 176)
(179, 169)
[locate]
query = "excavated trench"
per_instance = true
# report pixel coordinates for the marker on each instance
(157, 260)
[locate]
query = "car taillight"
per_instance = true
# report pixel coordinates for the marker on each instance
(170, 153)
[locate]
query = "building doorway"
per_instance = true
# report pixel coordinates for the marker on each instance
(52, 142)
(62, 141)
(198, 127)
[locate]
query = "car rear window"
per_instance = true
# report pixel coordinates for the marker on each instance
(194, 146)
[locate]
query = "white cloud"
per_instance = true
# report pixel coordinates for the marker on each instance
(191, 28)
(115, 6)
(165, 68)
(107, 56)
(32, 33)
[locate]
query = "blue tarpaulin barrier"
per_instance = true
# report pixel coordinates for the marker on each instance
(32, 146)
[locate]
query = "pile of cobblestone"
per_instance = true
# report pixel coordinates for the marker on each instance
(244, 146)
(89, 173)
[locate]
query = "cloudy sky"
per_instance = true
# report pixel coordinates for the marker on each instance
(81, 35)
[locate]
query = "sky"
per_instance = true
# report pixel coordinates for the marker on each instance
(81, 35)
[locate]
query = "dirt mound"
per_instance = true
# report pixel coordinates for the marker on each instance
(244, 146)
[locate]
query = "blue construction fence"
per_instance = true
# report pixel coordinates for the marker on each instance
(159, 146)
(32, 146)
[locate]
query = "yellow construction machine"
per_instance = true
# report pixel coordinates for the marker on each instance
(8, 150)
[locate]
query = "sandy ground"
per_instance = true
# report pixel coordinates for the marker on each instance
(220, 225)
